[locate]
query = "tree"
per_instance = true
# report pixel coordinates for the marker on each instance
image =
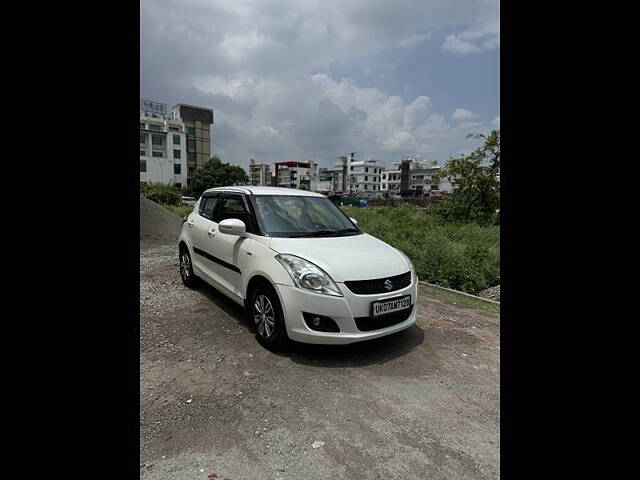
(303, 187)
(476, 181)
(214, 173)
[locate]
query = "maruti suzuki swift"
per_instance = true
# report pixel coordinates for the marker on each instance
(299, 266)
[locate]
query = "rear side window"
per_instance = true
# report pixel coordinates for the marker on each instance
(208, 207)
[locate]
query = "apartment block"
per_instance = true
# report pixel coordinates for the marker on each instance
(162, 146)
(197, 122)
(259, 174)
(365, 176)
(295, 174)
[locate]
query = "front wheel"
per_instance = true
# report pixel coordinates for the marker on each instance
(268, 319)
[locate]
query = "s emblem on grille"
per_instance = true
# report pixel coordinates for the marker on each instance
(388, 285)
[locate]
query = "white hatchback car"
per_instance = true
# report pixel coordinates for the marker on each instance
(298, 265)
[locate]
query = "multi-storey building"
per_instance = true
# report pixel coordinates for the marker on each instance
(173, 143)
(330, 181)
(415, 177)
(390, 183)
(259, 174)
(197, 122)
(295, 174)
(163, 156)
(364, 177)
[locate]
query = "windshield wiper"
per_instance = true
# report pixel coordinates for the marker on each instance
(346, 230)
(324, 233)
(317, 233)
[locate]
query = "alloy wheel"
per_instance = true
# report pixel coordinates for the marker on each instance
(264, 316)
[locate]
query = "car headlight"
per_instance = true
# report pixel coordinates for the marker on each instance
(414, 276)
(308, 276)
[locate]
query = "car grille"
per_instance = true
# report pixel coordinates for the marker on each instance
(366, 324)
(371, 287)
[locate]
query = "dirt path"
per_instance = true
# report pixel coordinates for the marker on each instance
(420, 404)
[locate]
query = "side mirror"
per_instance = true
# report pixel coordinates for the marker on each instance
(233, 226)
(353, 220)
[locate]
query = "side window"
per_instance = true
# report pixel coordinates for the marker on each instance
(233, 207)
(208, 207)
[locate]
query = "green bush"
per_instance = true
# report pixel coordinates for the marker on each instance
(161, 193)
(462, 256)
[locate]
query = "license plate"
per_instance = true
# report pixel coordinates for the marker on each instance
(391, 305)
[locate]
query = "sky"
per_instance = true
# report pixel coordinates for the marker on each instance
(311, 80)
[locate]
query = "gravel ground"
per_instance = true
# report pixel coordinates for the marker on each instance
(492, 293)
(423, 403)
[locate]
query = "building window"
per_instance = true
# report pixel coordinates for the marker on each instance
(142, 125)
(191, 130)
(178, 185)
(153, 126)
(176, 139)
(143, 153)
(157, 154)
(366, 179)
(177, 153)
(191, 145)
(176, 168)
(143, 139)
(366, 187)
(384, 186)
(352, 168)
(191, 157)
(143, 165)
(156, 140)
(174, 129)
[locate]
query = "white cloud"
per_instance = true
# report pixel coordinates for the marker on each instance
(317, 117)
(496, 122)
(462, 115)
(482, 34)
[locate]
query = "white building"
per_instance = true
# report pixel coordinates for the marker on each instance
(365, 176)
(390, 182)
(295, 174)
(163, 153)
(421, 178)
(259, 174)
(362, 176)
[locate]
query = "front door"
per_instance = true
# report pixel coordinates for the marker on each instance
(228, 249)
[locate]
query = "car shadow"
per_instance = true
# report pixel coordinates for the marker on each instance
(360, 354)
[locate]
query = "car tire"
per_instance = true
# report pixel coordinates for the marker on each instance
(186, 269)
(265, 313)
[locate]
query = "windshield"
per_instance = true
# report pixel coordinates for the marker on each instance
(290, 216)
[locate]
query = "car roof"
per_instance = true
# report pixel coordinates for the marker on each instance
(252, 190)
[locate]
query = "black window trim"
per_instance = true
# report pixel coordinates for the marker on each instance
(215, 213)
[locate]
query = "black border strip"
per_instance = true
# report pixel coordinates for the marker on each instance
(204, 254)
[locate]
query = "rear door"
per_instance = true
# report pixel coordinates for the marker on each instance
(228, 249)
(203, 234)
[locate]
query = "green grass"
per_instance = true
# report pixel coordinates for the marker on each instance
(180, 210)
(458, 300)
(461, 256)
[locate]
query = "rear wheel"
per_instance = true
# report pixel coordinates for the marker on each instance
(186, 269)
(266, 313)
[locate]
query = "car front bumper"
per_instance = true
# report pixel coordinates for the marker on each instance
(342, 310)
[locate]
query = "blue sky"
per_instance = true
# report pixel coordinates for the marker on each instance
(313, 79)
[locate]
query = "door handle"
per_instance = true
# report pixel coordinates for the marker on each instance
(211, 232)
(190, 223)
